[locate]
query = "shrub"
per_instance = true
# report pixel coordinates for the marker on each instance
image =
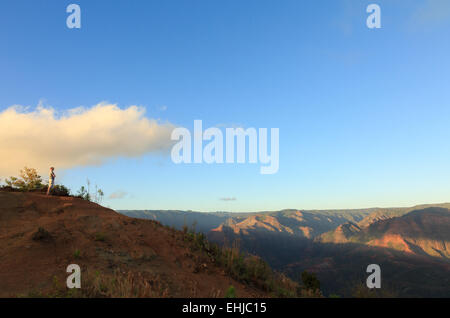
(100, 237)
(362, 291)
(41, 235)
(310, 281)
(60, 190)
(245, 268)
(310, 286)
(83, 193)
(28, 180)
(231, 292)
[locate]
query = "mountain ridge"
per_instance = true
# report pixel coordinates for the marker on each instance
(424, 231)
(295, 242)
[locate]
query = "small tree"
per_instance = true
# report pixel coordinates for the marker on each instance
(98, 195)
(84, 194)
(27, 181)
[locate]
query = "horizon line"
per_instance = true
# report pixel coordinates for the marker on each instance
(290, 209)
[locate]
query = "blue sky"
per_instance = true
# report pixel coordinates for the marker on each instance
(363, 114)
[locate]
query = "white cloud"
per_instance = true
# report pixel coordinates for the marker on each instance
(118, 195)
(42, 137)
(228, 199)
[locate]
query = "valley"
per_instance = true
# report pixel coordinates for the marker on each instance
(411, 244)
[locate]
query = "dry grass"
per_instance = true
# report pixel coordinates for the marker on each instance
(116, 285)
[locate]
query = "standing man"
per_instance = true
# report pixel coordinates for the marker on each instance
(51, 180)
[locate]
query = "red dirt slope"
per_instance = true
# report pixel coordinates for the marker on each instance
(102, 241)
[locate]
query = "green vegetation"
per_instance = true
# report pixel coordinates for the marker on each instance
(310, 285)
(310, 281)
(41, 235)
(245, 268)
(59, 190)
(116, 285)
(231, 292)
(77, 254)
(85, 193)
(361, 291)
(28, 180)
(101, 237)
